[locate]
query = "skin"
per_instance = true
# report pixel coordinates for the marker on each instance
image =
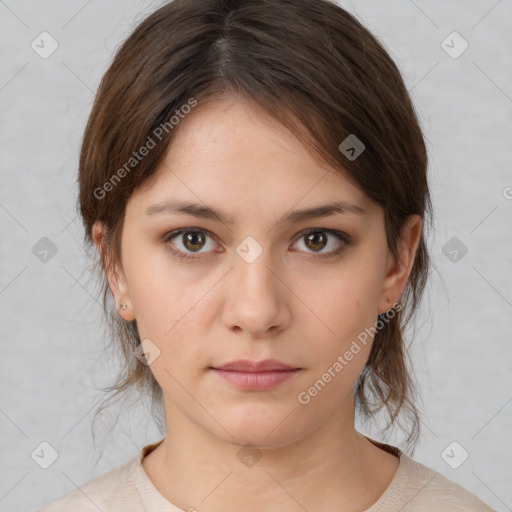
(292, 303)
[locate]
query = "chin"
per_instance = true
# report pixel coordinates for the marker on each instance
(263, 428)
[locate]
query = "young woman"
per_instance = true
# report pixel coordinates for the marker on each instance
(253, 175)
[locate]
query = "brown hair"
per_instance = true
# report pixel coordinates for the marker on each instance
(313, 67)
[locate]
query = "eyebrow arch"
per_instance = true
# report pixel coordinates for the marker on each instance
(206, 212)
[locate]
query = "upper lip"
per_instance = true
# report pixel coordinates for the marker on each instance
(243, 365)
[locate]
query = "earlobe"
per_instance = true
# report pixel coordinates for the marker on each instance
(115, 275)
(119, 289)
(398, 271)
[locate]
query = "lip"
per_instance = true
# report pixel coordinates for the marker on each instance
(267, 365)
(256, 375)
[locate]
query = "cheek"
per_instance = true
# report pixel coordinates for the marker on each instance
(175, 315)
(164, 294)
(345, 310)
(347, 300)
(175, 311)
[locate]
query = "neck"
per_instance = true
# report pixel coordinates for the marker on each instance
(331, 468)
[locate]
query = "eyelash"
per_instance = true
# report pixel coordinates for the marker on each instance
(343, 237)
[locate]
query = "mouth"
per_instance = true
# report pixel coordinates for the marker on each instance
(256, 376)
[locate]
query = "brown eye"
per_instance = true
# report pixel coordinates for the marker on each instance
(186, 243)
(193, 240)
(323, 242)
(316, 241)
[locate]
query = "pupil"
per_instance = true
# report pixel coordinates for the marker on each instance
(317, 239)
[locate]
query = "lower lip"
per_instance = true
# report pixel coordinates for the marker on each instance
(256, 381)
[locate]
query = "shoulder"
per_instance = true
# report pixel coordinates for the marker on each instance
(114, 491)
(423, 489)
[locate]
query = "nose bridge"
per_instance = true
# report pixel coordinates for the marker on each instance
(255, 301)
(253, 264)
(253, 267)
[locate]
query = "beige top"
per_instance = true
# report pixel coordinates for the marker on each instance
(127, 488)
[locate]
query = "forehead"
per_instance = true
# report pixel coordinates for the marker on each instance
(233, 154)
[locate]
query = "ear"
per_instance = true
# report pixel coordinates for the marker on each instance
(398, 271)
(115, 275)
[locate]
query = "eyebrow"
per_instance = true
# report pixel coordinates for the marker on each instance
(207, 212)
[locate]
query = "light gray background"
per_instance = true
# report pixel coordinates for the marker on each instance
(52, 336)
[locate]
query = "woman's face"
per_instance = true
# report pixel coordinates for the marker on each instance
(255, 285)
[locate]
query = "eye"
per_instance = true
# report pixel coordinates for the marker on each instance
(186, 242)
(316, 240)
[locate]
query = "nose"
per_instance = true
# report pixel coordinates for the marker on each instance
(257, 299)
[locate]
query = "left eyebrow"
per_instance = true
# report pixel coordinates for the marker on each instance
(340, 207)
(207, 212)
